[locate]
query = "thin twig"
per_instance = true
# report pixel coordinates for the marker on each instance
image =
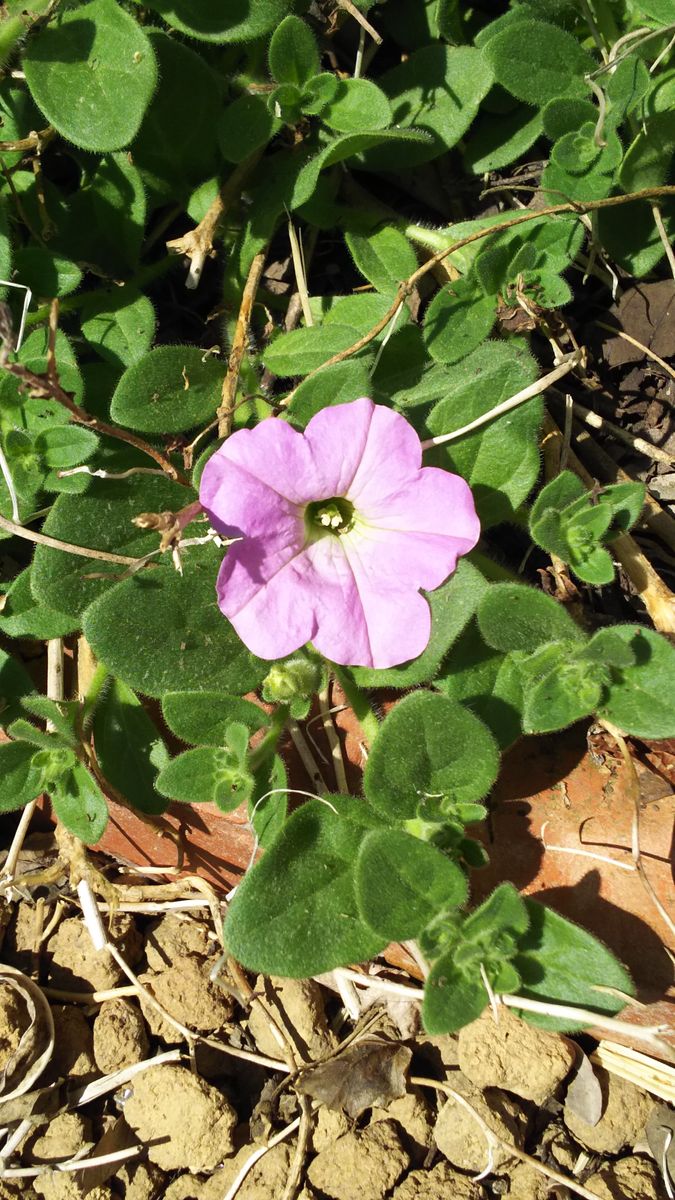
(300, 271)
(308, 760)
(7, 476)
(494, 1140)
(535, 389)
(333, 742)
(638, 444)
(363, 21)
(627, 337)
(229, 390)
(405, 288)
(35, 141)
(658, 221)
(42, 539)
(44, 385)
(197, 245)
(257, 1154)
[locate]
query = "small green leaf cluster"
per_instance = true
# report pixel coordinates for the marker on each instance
(577, 526)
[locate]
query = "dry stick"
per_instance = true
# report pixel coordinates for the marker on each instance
(300, 273)
(634, 783)
(229, 390)
(52, 388)
(34, 141)
(495, 1140)
(627, 337)
(638, 444)
(257, 1154)
(197, 245)
(406, 287)
(42, 539)
(535, 389)
(658, 221)
(308, 760)
(358, 16)
(333, 742)
(657, 598)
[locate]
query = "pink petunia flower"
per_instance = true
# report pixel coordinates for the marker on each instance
(341, 526)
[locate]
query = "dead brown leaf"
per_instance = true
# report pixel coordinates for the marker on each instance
(371, 1072)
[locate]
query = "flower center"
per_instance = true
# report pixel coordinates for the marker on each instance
(335, 515)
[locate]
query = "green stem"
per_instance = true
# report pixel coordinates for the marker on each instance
(359, 702)
(94, 693)
(269, 743)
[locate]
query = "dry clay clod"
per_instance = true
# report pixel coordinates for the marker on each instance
(632, 1178)
(440, 1183)
(185, 1123)
(459, 1135)
(185, 991)
(513, 1055)
(120, 1038)
(361, 1165)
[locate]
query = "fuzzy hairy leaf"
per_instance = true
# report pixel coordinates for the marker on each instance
(513, 616)
(100, 519)
(120, 325)
(222, 20)
(358, 104)
(20, 781)
(458, 319)
(129, 747)
(80, 805)
(159, 631)
(304, 881)
(170, 389)
(82, 64)
(15, 683)
(537, 62)
(501, 459)
(202, 718)
(640, 699)
(383, 255)
(428, 746)
(24, 617)
(402, 883)
(293, 54)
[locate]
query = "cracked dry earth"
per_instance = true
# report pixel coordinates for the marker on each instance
(374, 1109)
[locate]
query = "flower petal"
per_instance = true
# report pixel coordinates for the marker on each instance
(277, 455)
(337, 437)
(391, 457)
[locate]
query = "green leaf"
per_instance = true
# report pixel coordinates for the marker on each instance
(171, 389)
(20, 781)
(202, 718)
(648, 160)
(630, 236)
(346, 146)
(402, 883)
(458, 319)
(268, 805)
(304, 881)
(537, 62)
(303, 350)
(358, 105)
(486, 681)
(65, 446)
(293, 56)
(100, 519)
(207, 775)
(104, 220)
(23, 617)
(569, 692)
(500, 460)
(452, 605)
(62, 715)
(80, 805)
(160, 631)
(92, 72)
(384, 256)
(503, 911)
(429, 747)
(129, 747)
(244, 126)
(222, 20)
(452, 998)
(566, 115)
(15, 683)
(119, 324)
(513, 616)
(624, 89)
(439, 90)
(496, 141)
(339, 384)
(561, 963)
(318, 93)
(640, 699)
(177, 144)
(46, 274)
